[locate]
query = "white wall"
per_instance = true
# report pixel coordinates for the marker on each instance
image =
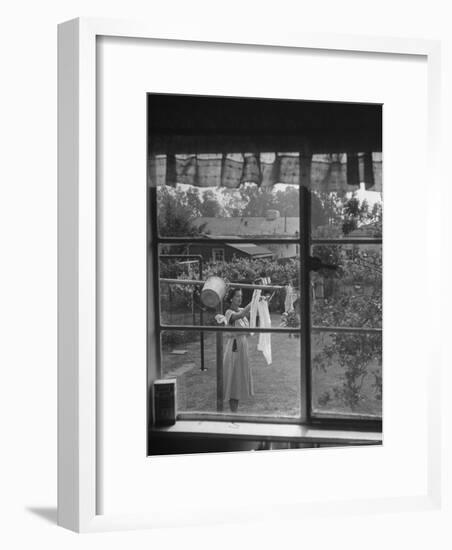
(28, 289)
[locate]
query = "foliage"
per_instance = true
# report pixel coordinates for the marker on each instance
(354, 353)
(248, 270)
(248, 200)
(356, 214)
(353, 298)
(252, 200)
(290, 319)
(359, 355)
(179, 206)
(326, 209)
(174, 216)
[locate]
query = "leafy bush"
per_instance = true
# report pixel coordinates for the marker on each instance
(353, 299)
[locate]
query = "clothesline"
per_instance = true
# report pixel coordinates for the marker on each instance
(232, 285)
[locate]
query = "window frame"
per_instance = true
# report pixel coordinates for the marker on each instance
(215, 251)
(351, 421)
(304, 240)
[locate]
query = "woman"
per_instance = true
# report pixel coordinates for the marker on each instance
(237, 378)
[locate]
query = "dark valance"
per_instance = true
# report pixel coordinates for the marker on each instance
(205, 124)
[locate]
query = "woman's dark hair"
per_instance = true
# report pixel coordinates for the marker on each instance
(231, 293)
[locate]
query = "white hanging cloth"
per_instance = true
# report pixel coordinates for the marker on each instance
(264, 343)
(253, 311)
(290, 298)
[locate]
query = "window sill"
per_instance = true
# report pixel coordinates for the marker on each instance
(265, 432)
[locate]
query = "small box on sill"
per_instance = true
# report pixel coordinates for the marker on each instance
(164, 402)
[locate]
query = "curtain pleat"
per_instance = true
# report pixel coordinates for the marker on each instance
(251, 169)
(352, 169)
(231, 171)
(333, 172)
(367, 170)
(377, 168)
(171, 173)
(209, 170)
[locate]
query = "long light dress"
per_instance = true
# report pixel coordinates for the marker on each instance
(237, 376)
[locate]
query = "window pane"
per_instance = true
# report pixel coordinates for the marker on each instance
(346, 374)
(247, 211)
(184, 303)
(348, 291)
(347, 198)
(202, 362)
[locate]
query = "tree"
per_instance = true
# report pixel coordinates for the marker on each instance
(287, 201)
(174, 217)
(356, 214)
(210, 207)
(253, 201)
(192, 200)
(326, 209)
(232, 202)
(256, 201)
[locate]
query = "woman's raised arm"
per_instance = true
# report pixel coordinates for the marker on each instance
(240, 314)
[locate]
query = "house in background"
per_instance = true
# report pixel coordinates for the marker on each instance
(252, 228)
(228, 251)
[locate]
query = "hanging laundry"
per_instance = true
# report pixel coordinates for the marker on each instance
(253, 312)
(221, 319)
(290, 298)
(264, 343)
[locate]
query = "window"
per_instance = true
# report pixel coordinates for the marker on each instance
(218, 255)
(234, 209)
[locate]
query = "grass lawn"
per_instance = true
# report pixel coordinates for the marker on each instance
(276, 386)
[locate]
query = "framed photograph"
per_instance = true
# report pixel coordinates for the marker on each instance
(238, 264)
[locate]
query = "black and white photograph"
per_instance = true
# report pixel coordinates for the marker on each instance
(265, 267)
(226, 296)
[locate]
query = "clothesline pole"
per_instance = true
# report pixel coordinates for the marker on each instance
(220, 390)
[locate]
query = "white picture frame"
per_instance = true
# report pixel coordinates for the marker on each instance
(80, 451)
